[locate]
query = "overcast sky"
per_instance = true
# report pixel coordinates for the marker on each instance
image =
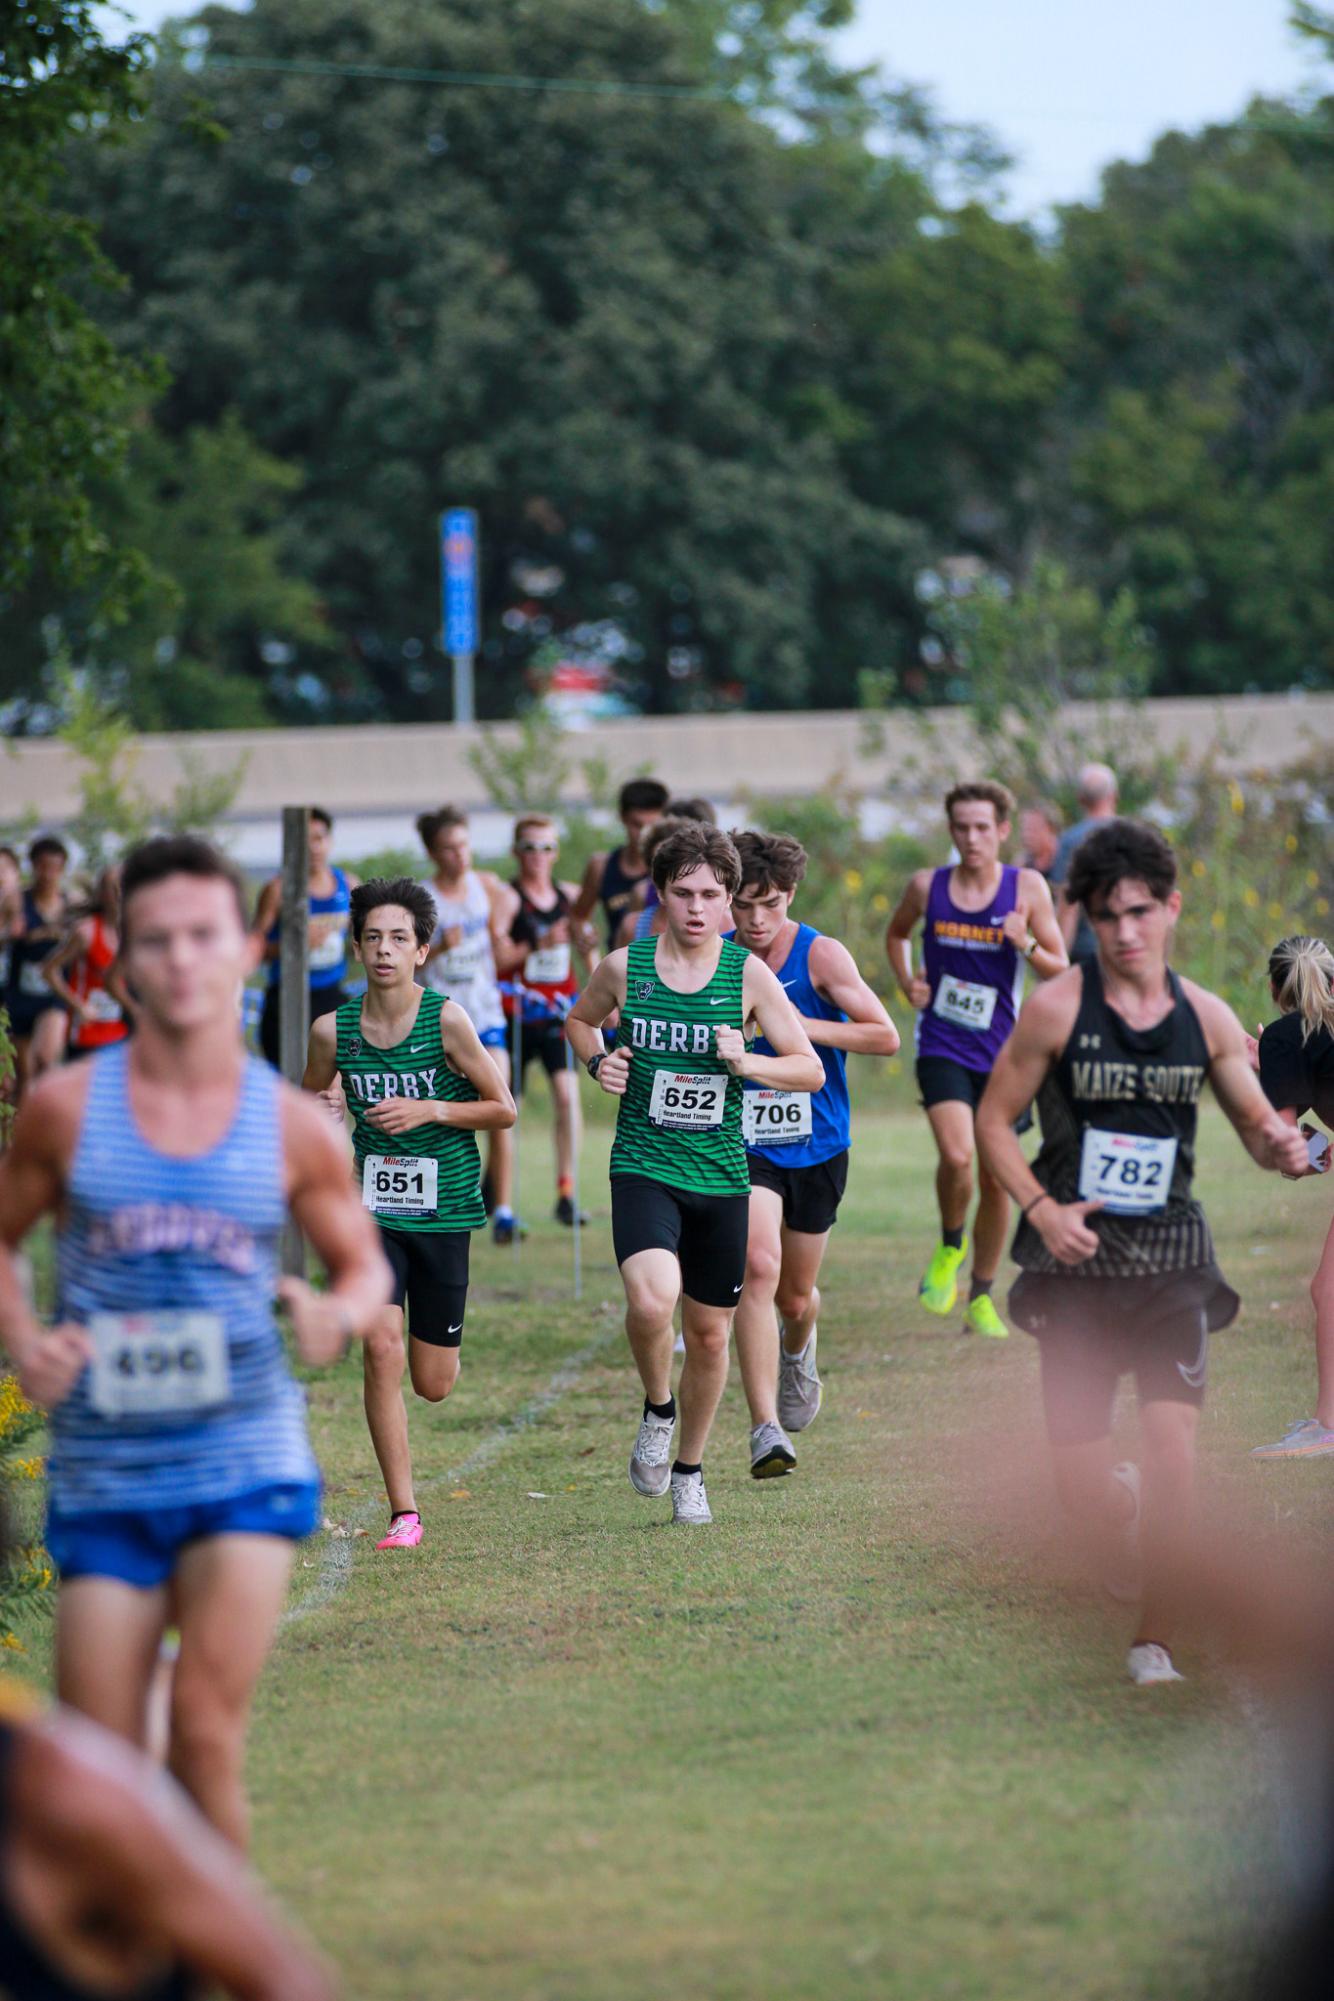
(1066, 84)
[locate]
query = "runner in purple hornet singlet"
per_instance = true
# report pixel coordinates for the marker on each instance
(982, 922)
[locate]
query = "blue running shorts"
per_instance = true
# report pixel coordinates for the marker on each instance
(141, 1546)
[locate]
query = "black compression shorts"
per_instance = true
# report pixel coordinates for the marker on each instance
(323, 1000)
(810, 1195)
(1093, 1331)
(942, 1081)
(430, 1270)
(707, 1233)
(544, 1040)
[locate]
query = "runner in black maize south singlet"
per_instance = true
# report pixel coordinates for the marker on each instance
(1118, 1274)
(1119, 1113)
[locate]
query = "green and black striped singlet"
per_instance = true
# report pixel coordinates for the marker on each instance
(671, 1034)
(413, 1068)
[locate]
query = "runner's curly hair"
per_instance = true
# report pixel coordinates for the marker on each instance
(770, 861)
(691, 845)
(1120, 851)
(401, 891)
(987, 792)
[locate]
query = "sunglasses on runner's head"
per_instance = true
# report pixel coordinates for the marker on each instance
(537, 847)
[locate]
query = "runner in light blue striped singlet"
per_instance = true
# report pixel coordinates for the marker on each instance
(195, 1241)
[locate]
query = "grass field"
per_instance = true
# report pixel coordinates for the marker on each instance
(851, 1741)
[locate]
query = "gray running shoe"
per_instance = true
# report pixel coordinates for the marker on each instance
(800, 1392)
(690, 1503)
(651, 1460)
(1308, 1438)
(771, 1453)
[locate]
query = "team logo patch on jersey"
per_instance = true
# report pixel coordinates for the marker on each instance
(646, 989)
(355, 1045)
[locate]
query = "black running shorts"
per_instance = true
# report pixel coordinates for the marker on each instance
(941, 1080)
(430, 1270)
(810, 1195)
(707, 1233)
(1093, 1331)
(323, 1000)
(544, 1040)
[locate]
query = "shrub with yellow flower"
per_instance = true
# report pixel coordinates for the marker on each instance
(27, 1579)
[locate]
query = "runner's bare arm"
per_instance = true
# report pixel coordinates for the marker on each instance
(324, 1206)
(53, 968)
(1040, 1034)
(898, 939)
(795, 1067)
(93, 1805)
(583, 936)
(868, 1031)
(510, 953)
(321, 1054)
(587, 900)
(266, 915)
(321, 1074)
(1035, 916)
(48, 1360)
(1266, 1135)
(602, 996)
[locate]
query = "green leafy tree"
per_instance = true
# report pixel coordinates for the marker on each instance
(606, 323)
(1200, 450)
(67, 390)
(206, 638)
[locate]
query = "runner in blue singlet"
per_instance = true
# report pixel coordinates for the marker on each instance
(330, 889)
(797, 1148)
(180, 1475)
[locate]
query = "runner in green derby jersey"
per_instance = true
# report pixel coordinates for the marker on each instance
(680, 1185)
(418, 1087)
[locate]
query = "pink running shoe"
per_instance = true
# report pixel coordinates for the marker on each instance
(405, 1532)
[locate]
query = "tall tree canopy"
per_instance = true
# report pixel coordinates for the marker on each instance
(731, 347)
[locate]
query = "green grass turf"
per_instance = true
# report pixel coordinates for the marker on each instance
(850, 1741)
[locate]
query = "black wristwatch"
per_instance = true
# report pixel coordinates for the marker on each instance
(595, 1063)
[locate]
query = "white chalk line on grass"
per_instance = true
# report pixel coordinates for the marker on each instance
(335, 1566)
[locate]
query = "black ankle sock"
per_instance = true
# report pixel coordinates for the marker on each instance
(679, 1466)
(667, 1409)
(980, 1289)
(401, 1514)
(954, 1238)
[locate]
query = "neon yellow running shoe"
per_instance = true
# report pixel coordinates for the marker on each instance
(940, 1287)
(980, 1317)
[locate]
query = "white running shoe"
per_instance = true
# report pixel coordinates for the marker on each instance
(800, 1392)
(1148, 1663)
(1123, 1579)
(651, 1460)
(771, 1453)
(690, 1503)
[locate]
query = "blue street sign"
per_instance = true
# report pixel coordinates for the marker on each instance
(459, 620)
